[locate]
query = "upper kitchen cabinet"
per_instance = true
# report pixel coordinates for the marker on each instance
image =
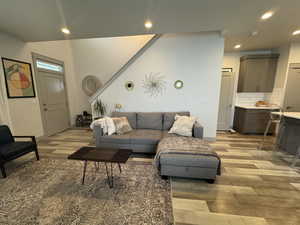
(257, 73)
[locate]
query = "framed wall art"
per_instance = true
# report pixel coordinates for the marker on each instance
(18, 79)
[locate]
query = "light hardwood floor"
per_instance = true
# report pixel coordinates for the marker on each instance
(255, 188)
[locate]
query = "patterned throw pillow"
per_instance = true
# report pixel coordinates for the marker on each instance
(183, 125)
(122, 125)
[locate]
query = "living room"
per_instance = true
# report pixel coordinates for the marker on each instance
(160, 70)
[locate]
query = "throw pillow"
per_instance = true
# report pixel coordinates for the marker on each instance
(111, 128)
(183, 125)
(122, 125)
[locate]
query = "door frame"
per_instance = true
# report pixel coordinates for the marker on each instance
(232, 99)
(289, 68)
(35, 57)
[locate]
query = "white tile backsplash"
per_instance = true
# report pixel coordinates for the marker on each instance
(250, 98)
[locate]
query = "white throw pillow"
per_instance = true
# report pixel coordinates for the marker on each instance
(111, 128)
(183, 125)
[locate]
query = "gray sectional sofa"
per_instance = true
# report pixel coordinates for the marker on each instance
(182, 157)
(148, 129)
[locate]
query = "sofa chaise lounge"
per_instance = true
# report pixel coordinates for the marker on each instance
(151, 128)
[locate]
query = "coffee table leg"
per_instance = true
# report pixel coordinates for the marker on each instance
(84, 170)
(120, 167)
(110, 177)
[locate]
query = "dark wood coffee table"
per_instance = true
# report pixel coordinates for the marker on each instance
(105, 155)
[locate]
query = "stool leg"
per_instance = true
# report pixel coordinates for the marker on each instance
(297, 157)
(265, 134)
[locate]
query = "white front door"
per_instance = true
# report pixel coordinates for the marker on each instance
(54, 102)
(53, 95)
(225, 104)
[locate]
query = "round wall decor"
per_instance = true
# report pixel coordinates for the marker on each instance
(178, 84)
(129, 85)
(90, 84)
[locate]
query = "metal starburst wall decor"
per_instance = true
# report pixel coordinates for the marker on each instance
(154, 84)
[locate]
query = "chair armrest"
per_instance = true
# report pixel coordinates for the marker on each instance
(98, 133)
(31, 137)
(198, 130)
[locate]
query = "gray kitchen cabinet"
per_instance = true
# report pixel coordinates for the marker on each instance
(288, 137)
(251, 121)
(257, 73)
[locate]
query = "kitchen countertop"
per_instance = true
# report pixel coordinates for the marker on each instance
(257, 107)
(295, 115)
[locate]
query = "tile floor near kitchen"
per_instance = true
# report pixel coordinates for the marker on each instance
(255, 188)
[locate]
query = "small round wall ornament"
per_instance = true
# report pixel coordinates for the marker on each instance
(129, 85)
(178, 84)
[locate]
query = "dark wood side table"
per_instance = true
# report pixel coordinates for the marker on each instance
(104, 155)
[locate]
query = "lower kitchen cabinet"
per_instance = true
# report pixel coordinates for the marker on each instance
(252, 121)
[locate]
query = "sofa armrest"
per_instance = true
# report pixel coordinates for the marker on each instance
(98, 133)
(198, 130)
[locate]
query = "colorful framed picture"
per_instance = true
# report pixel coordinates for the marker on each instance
(18, 79)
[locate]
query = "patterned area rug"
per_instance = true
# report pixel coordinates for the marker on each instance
(50, 192)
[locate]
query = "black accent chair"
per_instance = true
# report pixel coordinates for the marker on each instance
(11, 149)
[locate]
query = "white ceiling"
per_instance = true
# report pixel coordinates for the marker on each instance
(41, 20)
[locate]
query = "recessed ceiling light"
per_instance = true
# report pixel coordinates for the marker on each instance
(296, 32)
(254, 33)
(267, 15)
(65, 30)
(237, 46)
(148, 24)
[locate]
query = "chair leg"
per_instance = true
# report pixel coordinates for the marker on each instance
(3, 171)
(37, 154)
(265, 134)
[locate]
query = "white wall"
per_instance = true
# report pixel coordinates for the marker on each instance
(294, 53)
(276, 97)
(292, 56)
(195, 59)
(102, 57)
(81, 57)
(23, 115)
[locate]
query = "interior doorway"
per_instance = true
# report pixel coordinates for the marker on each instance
(291, 101)
(225, 104)
(51, 87)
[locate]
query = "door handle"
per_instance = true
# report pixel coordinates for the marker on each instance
(45, 109)
(288, 107)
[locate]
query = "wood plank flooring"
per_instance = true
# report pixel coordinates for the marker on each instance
(256, 187)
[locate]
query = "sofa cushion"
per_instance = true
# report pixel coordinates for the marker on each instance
(145, 136)
(131, 116)
(189, 160)
(15, 148)
(149, 120)
(120, 139)
(169, 118)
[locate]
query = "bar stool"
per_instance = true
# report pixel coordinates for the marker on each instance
(274, 119)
